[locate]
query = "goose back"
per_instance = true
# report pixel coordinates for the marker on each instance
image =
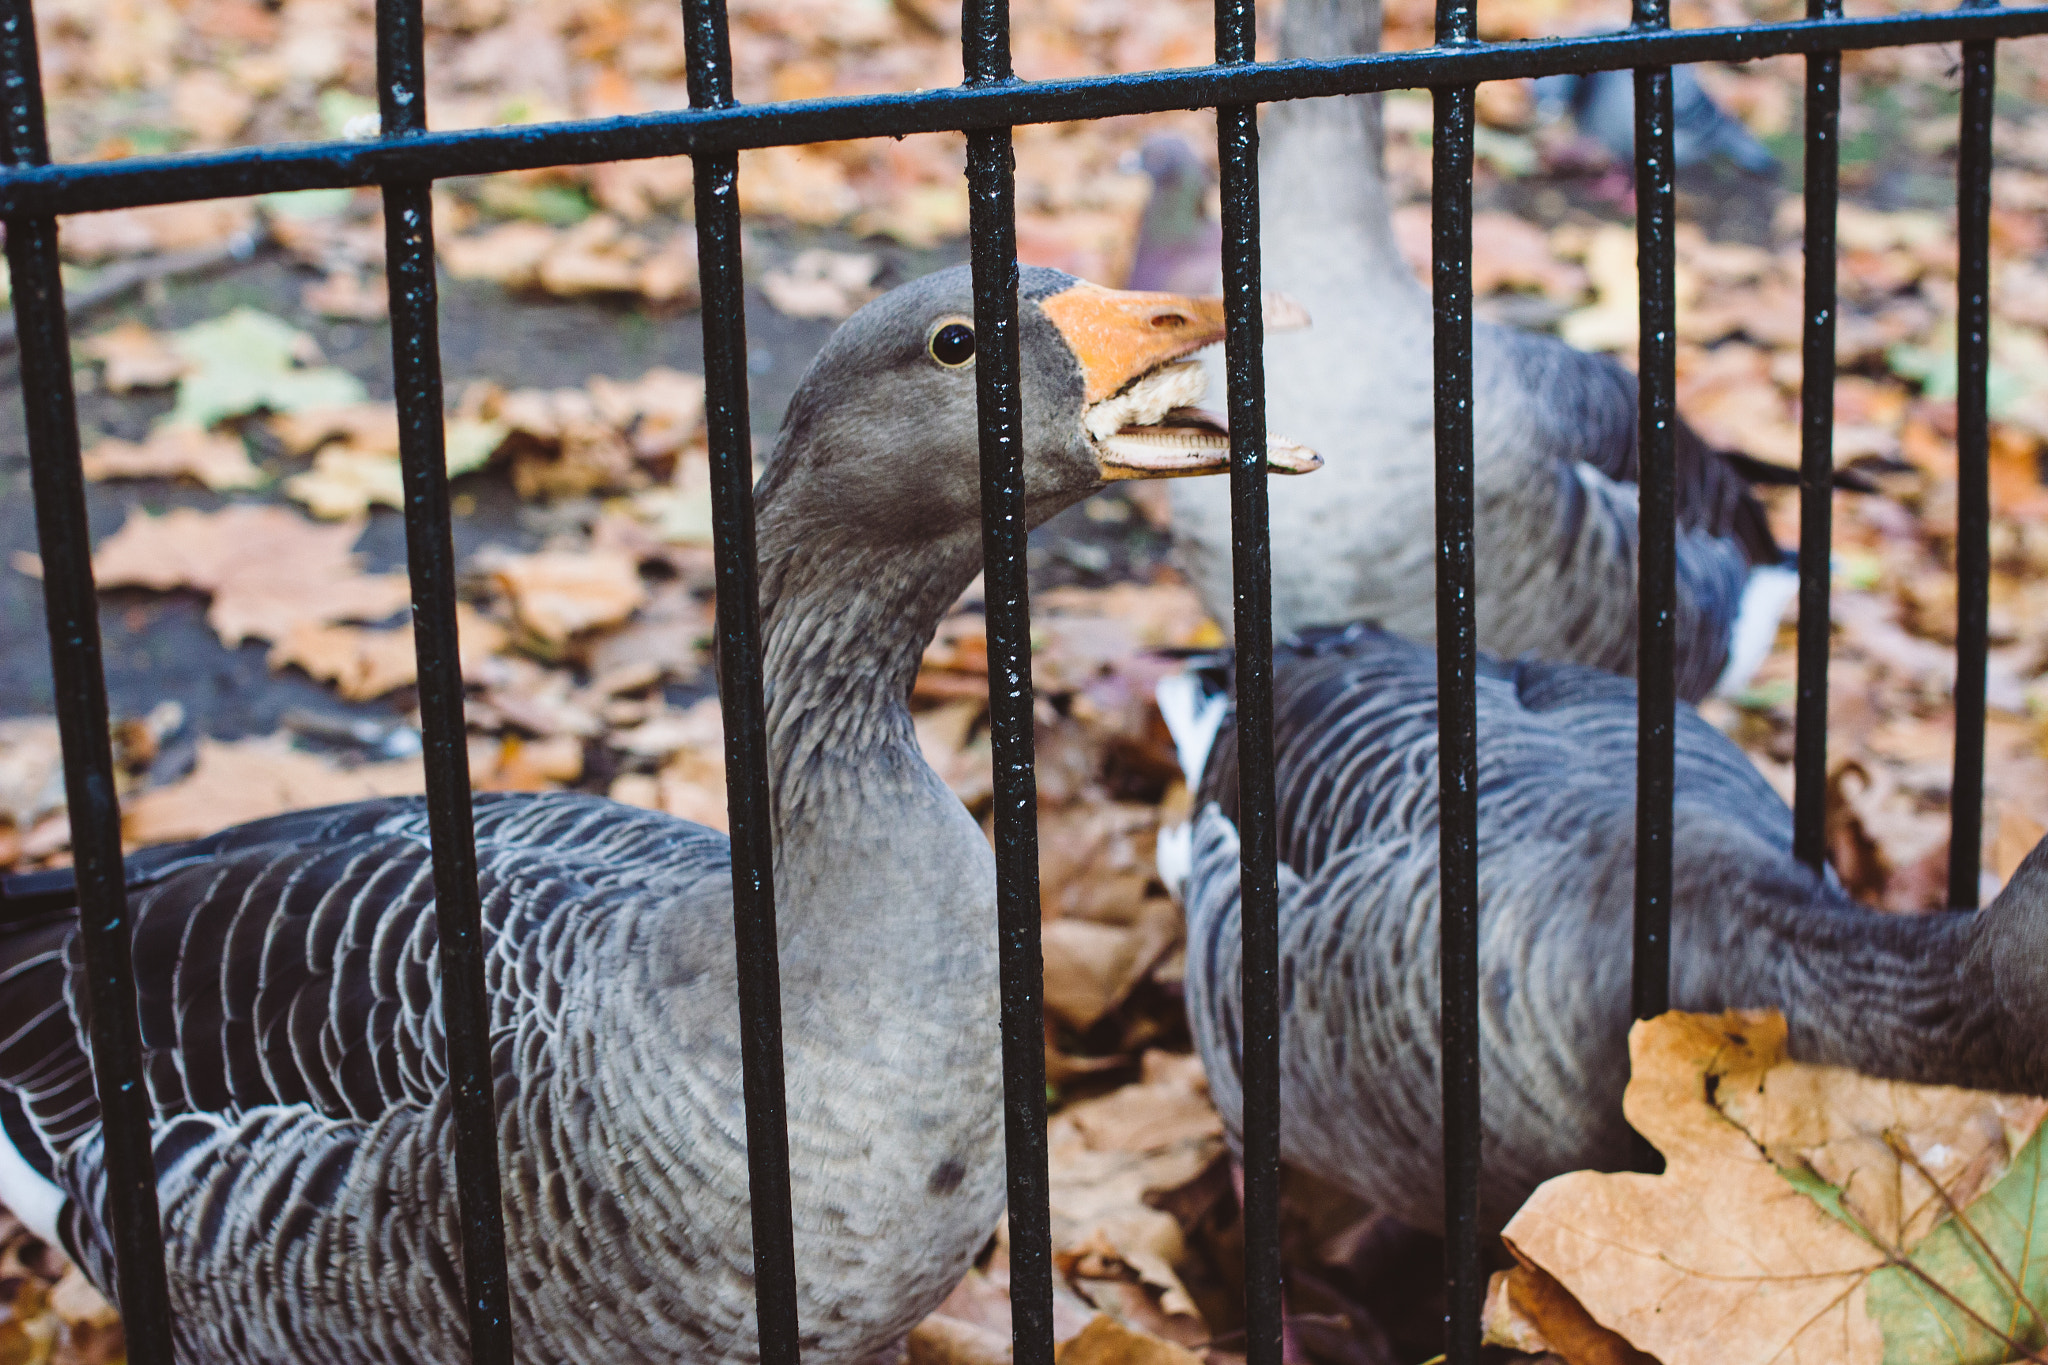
(1356, 737)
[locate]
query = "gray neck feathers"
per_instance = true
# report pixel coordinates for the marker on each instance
(844, 627)
(1952, 998)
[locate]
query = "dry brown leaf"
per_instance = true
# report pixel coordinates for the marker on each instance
(348, 295)
(1725, 1257)
(558, 594)
(217, 459)
(93, 237)
(364, 664)
(233, 782)
(370, 426)
(133, 357)
(530, 765)
(956, 744)
(1109, 1154)
(268, 569)
(1090, 968)
(820, 283)
(31, 771)
(210, 107)
(2018, 832)
(1106, 1341)
(942, 1340)
(510, 255)
(1528, 1311)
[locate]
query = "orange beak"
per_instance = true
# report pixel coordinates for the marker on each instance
(1141, 415)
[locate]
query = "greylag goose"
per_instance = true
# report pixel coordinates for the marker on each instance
(288, 986)
(1956, 998)
(1554, 437)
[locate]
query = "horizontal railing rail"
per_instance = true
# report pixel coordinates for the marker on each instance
(82, 187)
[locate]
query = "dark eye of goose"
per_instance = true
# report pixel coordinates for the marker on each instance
(952, 345)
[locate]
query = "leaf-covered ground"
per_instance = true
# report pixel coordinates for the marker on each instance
(240, 434)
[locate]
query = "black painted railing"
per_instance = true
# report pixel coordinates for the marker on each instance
(406, 159)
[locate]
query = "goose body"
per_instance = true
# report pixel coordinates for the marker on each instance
(1554, 437)
(1952, 998)
(289, 984)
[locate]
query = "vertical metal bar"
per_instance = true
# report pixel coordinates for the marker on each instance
(430, 558)
(992, 227)
(1457, 643)
(740, 695)
(991, 183)
(1657, 563)
(1973, 469)
(1817, 448)
(1237, 154)
(1657, 537)
(71, 608)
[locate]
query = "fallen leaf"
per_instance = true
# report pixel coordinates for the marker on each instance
(210, 107)
(1528, 1311)
(1106, 1341)
(1791, 1198)
(348, 295)
(819, 283)
(217, 459)
(31, 770)
(559, 594)
(267, 568)
(364, 664)
(234, 782)
(1104, 1166)
(1091, 967)
(133, 357)
(92, 237)
(348, 478)
(249, 361)
(510, 255)
(942, 1340)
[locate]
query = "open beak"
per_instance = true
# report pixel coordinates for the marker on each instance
(1140, 391)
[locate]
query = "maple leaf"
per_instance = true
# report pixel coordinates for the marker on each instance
(1807, 1213)
(217, 459)
(249, 779)
(248, 361)
(267, 569)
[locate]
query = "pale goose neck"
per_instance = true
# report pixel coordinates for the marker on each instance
(1322, 167)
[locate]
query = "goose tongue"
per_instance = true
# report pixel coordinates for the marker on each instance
(1188, 441)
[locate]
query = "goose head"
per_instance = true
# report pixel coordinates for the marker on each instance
(882, 438)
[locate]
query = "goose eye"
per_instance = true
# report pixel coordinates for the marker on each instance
(952, 345)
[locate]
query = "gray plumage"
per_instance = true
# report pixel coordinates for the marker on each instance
(1603, 105)
(1950, 998)
(289, 987)
(1554, 432)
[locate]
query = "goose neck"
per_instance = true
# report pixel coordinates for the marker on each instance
(1950, 998)
(844, 629)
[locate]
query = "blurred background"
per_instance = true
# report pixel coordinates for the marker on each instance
(233, 368)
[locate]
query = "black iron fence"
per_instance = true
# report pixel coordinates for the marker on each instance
(406, 159)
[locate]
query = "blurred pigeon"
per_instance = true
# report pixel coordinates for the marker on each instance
(1603, 104)
(1179, 246)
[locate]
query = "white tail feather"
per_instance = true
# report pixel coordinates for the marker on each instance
(1192, 718)
(1769, 590)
